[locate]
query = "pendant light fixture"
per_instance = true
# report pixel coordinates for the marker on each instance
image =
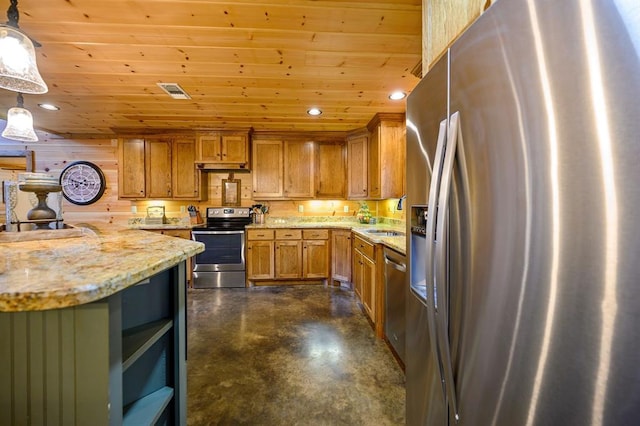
(19, 124)
(18, 68)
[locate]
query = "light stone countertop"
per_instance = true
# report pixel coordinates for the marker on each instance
(397, 243)
(103, 259)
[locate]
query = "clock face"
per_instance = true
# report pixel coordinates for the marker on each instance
(82, 182)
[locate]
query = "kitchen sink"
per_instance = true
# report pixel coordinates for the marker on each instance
(385, 233)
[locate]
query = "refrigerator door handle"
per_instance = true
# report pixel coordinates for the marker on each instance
(418, 289)
(441, 301)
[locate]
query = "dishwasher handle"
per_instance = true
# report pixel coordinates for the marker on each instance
(391, 262)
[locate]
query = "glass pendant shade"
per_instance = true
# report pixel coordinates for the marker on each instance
(19, 125)
(18, 68)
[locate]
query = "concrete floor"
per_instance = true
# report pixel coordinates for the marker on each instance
(295, 355)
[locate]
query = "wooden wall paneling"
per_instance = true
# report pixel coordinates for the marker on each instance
(443, 21)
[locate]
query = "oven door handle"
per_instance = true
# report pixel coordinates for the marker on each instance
(217, 232)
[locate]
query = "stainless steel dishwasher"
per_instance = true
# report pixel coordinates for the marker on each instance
(395, 268)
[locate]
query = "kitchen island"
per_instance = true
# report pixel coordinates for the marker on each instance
(92, 326)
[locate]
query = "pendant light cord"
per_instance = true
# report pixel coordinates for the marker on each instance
(13, 14)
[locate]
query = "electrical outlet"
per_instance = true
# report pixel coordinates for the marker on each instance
(134, 209)
(300, 208)
(346, 209)
(183, 209)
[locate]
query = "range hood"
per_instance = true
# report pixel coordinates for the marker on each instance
(221, 168)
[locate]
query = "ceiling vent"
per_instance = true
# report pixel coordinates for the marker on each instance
(417, 69)
(174, 90)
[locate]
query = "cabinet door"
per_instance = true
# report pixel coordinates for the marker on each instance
(131, 169)
(267, 169)
(260, 260)
(357, 170)
(158, 168)
(186, 178)
(315, 255)
(357, 273)
(299, 169)
(374, 164)
(368, 297)
(289, 259)
(209, 148)
(330, 170)
(235, 149)
(387, 156)
(341, 255)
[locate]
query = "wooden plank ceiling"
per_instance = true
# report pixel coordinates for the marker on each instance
(247, 63)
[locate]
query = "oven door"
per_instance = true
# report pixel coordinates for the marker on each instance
(223, 251)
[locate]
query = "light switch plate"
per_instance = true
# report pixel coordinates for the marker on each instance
(346, 209)
(300, 208)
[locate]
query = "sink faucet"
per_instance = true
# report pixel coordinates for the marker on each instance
(404, 197)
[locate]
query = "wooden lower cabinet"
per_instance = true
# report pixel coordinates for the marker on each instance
(364, 277)
(341, 256)
(315, 254)
(368, 282)
(260, 261)
(287, 256)
(288, 259)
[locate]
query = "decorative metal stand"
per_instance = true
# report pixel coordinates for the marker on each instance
(41, 215)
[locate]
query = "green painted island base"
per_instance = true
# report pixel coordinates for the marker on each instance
(118, 361)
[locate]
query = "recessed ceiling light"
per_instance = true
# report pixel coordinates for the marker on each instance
(314, 111)
(49, 107)
(396, 96)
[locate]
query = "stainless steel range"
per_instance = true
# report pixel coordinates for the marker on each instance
(222, 264)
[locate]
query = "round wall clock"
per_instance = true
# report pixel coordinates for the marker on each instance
(82, 183)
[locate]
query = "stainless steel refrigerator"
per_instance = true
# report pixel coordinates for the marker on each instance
(523, 177)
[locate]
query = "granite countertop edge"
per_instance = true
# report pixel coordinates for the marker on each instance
(58, 273)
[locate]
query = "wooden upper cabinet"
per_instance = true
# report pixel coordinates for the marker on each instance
(293, 166)
(267, 169)
(209, 148)
(223, 150)
(386, 156)
(330, 170)
(299, 169)
(131, 171)
(186, 179)
(358, 161)
(235, 149)
(158, 168)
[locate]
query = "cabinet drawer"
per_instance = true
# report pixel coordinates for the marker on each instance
(315, 234)
(364, 247)
(259, 234)
(288, 234)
